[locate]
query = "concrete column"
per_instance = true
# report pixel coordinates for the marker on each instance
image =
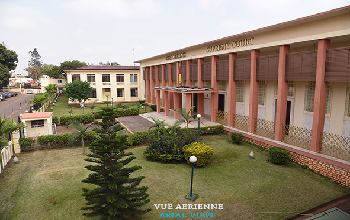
(158, 100)
(166, 103)
(177, 104)
(282, 93)
(254, 92)
(177, 74)
(171, 83)
(188, 71)
(231, 90)
(320, 96)
(215, 86)
(151, 83)
(200, 96)
(188, 102)
(147, 86)
(157, 78)
(164, 94)
(163, 75)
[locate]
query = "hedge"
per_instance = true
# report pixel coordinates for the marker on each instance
(82, 118)
(26, 144)
(121, 112)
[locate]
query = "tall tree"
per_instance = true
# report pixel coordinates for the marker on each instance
(117, 195)
(34, 65)
(8, 62)
(35, 59)
(78, 90)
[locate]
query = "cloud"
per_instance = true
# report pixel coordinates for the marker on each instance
(14, 16)
(119, 9)
(207, 4)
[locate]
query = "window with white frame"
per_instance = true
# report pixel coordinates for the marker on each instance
(93, 94)
(106, 78)
(133, 92)
(59, 81)
(120, 79)
(120, 92)
(239, 91)
(91, 78)
(262, 92)
(133, 78)
(75, 77)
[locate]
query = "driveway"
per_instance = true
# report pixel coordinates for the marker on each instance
(14, 106)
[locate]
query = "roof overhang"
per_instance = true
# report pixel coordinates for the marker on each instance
(185, 89)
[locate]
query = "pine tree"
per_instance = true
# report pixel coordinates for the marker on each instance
(117, 195)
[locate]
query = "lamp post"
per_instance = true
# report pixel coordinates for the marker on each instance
(193, 159)
(112, 102)
(199, 126)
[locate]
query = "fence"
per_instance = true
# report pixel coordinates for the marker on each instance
(6, 154)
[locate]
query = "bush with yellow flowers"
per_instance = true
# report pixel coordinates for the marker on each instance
(200, 150)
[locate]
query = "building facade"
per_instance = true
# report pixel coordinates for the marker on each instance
(288, 82)
(122, 83)
(60, 83)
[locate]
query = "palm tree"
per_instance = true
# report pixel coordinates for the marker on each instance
(81, 129)
(186, 116)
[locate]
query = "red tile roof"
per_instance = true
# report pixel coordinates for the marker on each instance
(107, 67)
(37, 115)
(332, 12)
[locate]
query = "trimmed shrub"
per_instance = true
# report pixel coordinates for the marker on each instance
(165, 144)
(121, 112)
(209, 130)
(137, 138)
(200, 150)
(26, 144)
(278, 155)
(236, 138)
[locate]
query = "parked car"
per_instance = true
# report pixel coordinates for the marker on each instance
(5, 95)
(2, 96)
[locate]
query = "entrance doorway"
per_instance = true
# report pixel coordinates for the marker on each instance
(195, 103)
(289, 113)
(221, 103)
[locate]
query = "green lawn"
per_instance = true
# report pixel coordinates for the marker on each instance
(61, 107)
(247, 188)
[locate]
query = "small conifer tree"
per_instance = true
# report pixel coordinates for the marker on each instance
(117, 195)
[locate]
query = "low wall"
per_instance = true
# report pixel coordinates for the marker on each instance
(336, 169)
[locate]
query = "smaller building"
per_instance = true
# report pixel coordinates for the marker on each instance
(37, 124)
(45, 81)
(120, 83)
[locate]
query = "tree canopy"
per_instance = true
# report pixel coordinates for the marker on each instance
(8, 62)
(8, 58)
(72, 65)
(78, 90)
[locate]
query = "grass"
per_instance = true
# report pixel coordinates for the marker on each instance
(247, 188)
(61, 107)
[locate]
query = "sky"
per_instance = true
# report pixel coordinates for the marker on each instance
(123, 31)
